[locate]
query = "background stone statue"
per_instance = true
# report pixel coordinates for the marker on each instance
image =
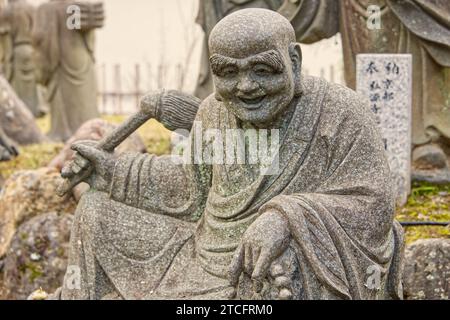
(66, 63)
(419, 27)
(319, 226)
(19, 62)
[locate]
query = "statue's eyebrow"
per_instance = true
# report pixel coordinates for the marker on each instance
(272, 58)
(218, 62)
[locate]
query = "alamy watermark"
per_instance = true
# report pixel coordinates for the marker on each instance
(374, 19)
(73, 22)
(72, 279)
(258, 147)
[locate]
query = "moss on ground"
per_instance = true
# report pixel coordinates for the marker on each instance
(426, 203)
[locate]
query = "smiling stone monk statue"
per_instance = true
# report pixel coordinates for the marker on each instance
(319, 225)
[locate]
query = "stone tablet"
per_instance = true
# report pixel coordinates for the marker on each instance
(386, 81)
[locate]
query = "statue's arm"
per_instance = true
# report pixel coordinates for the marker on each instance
(170, 185)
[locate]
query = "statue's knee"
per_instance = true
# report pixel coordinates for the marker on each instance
(91, 203)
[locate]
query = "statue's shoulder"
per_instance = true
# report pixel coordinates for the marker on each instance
(339, 104)
(209, 107)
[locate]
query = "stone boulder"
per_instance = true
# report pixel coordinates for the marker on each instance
(427, 270)
(37, 257)
(27, 194)
(16, 120)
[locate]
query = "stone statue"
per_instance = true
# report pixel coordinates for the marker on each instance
(19, 65)
(65, 53)
(314, 222)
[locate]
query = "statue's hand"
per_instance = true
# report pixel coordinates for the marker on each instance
(101, 161)
(264, 241)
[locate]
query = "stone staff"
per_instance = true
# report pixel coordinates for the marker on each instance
(175, 110)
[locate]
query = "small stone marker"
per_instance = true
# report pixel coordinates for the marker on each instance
(386, 81)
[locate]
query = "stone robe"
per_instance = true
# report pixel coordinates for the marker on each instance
(167, 230)
(67, 67)
(418, 27)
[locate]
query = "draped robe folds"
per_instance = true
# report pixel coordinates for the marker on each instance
(418, 27)
(67, 69)
(167, 230)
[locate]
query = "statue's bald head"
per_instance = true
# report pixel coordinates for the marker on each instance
(251, 31)
(256, 64)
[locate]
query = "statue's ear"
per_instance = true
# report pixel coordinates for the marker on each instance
(295, 53)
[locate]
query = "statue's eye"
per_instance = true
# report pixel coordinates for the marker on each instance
(263, 70)
(229, 71)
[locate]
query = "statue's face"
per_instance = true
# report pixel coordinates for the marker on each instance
(256, 88)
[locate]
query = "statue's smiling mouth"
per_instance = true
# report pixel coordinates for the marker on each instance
(252, 102)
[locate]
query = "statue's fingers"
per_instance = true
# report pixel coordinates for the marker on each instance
(236, 265)
(90, 153)
(285, 294)
(66, 171)
(282, 282)
(261, 269)
(255, 255)
(248, 259)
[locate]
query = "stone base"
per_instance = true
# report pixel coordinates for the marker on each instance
(432, 176)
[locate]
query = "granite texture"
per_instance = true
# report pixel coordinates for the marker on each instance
(37, 256)
(318, 226)
(385, 81)
(427, 270)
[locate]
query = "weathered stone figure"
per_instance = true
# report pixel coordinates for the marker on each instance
(19, 63)
(66, 61)
(319, 227)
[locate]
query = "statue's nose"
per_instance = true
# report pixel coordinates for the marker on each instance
(247, 85)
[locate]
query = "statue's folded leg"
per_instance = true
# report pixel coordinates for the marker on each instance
(117, 250)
